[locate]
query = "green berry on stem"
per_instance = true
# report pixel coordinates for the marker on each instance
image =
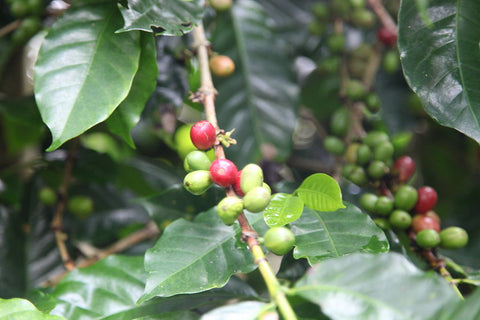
(391, 61)
(364, 154)
(257, 199)
(223, 172)
(351, 153)
(358, 176)
(80, 206)
(197, 182)
(182, 141)
(221, 5)
(428, 238)
(197, 160)
(383, 151)
(334, 145)
(221, 66)
(47, 196)
(453, 238)
(336, 42)
(384, 206)
(382, 223)
(363, 18)
(203, 135)
(317, 28)
(368, 201)
(427, 198)
(355, 90)
(374, 138)
(372, 101)
(320, 10)
(406, 197)
(279, 240)
(251, 177)
(377, 169)
(400, 219)
(229, 208)
(340, 121)
(348, 169)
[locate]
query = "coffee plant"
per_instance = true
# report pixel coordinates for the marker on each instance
(270, 159)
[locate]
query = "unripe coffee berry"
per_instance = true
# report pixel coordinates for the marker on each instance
(340, 121)
(358, 176)
(363, 18)
(377, 169)
(400, 219)
(236, 186)
(222, 66)
(80, 206)
(279, 240)
(404, 168)
(421, 222)
(320, 10)
(197, 160)
(406, 197)
(221, 5)
(428, 238)
(383, 151)
(391, 61)
(372, 101)
(387, 37)
(368, 201)
(47, 196)
(203, 135)
(384, 206)
(355, 90)
(229, 208)
(374, 138)
(336, 42)
(453, 238)
(251, 177)
(382, 223)
(351, 152)
(427, 198)
(223, 172)
(334, 145)
(257, 199)
(363, 154)
(197, 182)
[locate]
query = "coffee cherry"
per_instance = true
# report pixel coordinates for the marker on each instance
(428, 238)
(387, 37)
(404, 168)
(432, 214)
(223, 172)
(279, 240)
(383, 151)
(336, 42)
(427, 198)
(229, 208)
(196, 160)
(368, 201)
(340, 122)
(358, 176)
(182, 141)
(221, 66)
(400, 219)
(80, 206)
(363, 154)
(374, 138)
(19, 9)
(357, 3)
(355, 90)
(197, 182)
(372, 101)
(391, 61)
(47, 196)
(251, 177)
(320, 10)
(453, 238)
(236, 186)
(35, 6)
(221, 5)
(351, 153)
(203, 135)
(266, 186)
(377, 169)
(334, 145)
(406, 197)
(383, 206)
(421, 222)
(317, 28)
(257, 199)
(363, 18)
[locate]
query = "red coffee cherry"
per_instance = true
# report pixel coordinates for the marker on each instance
(223, 172)
(421, 222)
(236, 185)
(404, 168)
(427, 198)
(387, 37)
(203, 135)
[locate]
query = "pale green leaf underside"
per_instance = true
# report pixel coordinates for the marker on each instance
(325, 235)
(20, 309)
(246, 310)
(283, 209)
(84, 69)
(320, 192)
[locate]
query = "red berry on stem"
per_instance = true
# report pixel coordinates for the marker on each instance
(387, 37)
(404, 167)
(421, 222)
(223, 172)
(203, 135)
(427, 198)
(236, 185)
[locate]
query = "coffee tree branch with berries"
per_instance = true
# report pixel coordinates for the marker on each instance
(225, 159)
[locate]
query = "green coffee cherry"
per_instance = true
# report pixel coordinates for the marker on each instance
(317, 27)
(47, 196)
(374, 138)
(358, 176)
(358, 3)
(355, 90)
(336, 42)
(279, 240)
(383, 151)
(197, 182)
(257, 199)
(251, 177)
(377, 169)
(453, 238)
(348, 169)
(320, 10)
(197, 160)
(391, 61)
(363, 18)
(334, 145)
(229, 208)
(266, 186)
(363, 154)
(428, 238)
(330, 64)
(406, 197)
(351, 153)
(80, 206)
(368, 201)
(400, 219)
(384, 206)
(340, 121)
(372, 101)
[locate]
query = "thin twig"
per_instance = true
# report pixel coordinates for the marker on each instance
(382, 14)
(9, 28)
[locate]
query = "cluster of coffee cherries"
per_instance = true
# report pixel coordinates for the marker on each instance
(251, 192)
(28, 11)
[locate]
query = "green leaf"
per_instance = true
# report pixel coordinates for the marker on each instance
(166, 17)
(364, 286)
(324, 235)
(195, 256)
(20, 309)
(260, 99)
(469, 309)
(320, 192)
(441, 60)
(84, 70)
(127, 114)
(283, 209)
(247, 310)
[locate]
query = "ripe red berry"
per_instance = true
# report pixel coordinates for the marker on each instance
(387, 37)
(404, 167)
(203, 135)
(223, 172)
(427, 198)
(236, 185)
(421, 222)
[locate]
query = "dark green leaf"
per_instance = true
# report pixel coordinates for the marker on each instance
(127, 115)
(20, 309)
(283, 209)
(364, 286)
(84, 70)
(441, 60)
(195, 256)
(247, 310)
(320, 192)
(260, 98)
(166, 17)
(324, 235)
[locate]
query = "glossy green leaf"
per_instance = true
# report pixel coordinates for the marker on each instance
(165, 17)
(195, 256)
(441, 60)
(84, 69)
(320, 192)
(324, 235)
(469, 309)
(20, 309)
(364, 286)
(127, 114)
(247, 310)
(260, 99)
(283, 209)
